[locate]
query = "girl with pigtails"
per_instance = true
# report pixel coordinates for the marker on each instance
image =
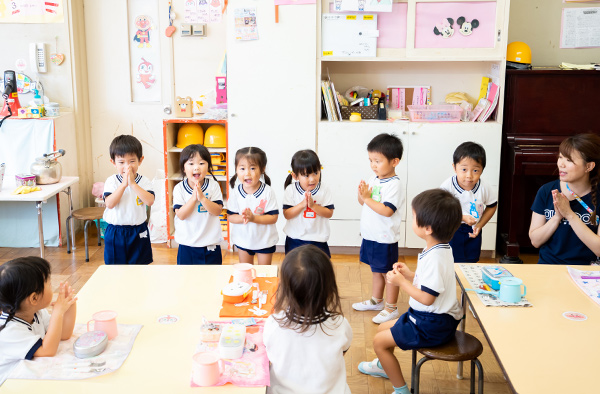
(565, 218)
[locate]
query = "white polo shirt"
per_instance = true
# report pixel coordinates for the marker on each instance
(307, 226)
(473, 202)
(379, 228)
(19, 340)
(262, 202)
(130, 210)
(200, 228)
(435, 275)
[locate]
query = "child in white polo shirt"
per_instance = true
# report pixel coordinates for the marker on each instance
(197, 202)
(252, 208)
(127, 194)
(434, 312)
(380, 222)
(477, 199)
(307, 204)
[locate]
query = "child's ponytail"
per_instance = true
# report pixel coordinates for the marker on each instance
(10, 310)
(232, 180)
(267, 179)
(288, 181)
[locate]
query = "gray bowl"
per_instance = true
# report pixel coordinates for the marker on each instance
(90, 344)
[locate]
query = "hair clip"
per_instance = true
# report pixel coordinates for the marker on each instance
(289, 171)
(321, 167)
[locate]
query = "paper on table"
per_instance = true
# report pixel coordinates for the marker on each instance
(587, 282)
(473, 274)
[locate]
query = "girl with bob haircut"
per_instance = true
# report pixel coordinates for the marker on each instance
(307, 335)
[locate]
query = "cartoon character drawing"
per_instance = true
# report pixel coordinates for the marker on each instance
(445, 29)
(260, 209)
(142, 35)
(215, 3)
(466, 28)
(145, 75)
(473, 210)
(338, 5)
(183, 107)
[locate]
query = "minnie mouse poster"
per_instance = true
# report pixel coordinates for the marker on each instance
(445, 29)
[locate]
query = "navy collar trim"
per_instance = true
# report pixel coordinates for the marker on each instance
(188, 188)
(313, 191)
(138, 177)
(437, 246)
(257, 193)
(4, 316)
(460, 189)
(385, 180)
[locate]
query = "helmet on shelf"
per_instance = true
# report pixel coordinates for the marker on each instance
(518, 55)
(215, 137)
(188, 134)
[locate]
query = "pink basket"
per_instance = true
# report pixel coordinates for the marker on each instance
(434, 113)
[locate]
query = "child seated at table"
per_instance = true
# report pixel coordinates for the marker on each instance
(126, 194)
(307, 335)
(27, 330)
(434, 312)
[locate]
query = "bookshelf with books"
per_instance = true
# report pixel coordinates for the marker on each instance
(428, 147)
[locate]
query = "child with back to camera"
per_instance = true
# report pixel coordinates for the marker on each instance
(252, 208)
(27, 330)
(307, 204)
(382, 199)
(434, 312)
(126, 194)
(477, 199)
(197, 202)
(565, 212)
(307, 335)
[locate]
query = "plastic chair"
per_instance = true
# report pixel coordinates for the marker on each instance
(92, 214)
(463, 347)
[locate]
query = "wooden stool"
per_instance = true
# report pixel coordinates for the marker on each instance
(463, 347)
(93, 214)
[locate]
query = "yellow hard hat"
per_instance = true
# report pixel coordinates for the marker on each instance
(215, 137)
(188, 134)
(518, 52)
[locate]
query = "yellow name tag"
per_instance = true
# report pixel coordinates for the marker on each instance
(368, 17)
(353, 17)
(139, 201)
(327, 53)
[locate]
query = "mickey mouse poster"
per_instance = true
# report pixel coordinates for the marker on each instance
(466, 28)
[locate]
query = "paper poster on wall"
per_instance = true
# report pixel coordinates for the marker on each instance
(144, 51)
(363, 5)
(294, 2)
(215, 11)
(31, 11)
(203, 11)
(246, 28)
(349, 35)
(580, 28)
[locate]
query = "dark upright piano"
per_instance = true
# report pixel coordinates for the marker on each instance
(541, 108)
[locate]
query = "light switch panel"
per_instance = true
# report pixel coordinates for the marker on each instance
(199, 30)
(186, 30)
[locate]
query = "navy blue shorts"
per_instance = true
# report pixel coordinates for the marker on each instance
(199, 255)
(252, 252)
(464, 248)
(416, 329)
(293, 243)
(381, 257)
(127, 244)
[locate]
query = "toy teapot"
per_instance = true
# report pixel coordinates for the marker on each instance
(47, 169)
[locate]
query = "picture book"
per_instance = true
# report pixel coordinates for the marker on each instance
(481, 106)
(493, 100)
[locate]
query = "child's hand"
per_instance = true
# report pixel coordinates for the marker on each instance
(401, 268)
(364, 191)
(198, 191)
(66, 298)
(247, 215)
(475, 233)
(395, 278)
(131, 176)
(309, 200)
(469, 220)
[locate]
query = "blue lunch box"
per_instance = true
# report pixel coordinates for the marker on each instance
(492, 275)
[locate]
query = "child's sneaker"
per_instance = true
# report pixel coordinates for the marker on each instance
(385, 315)
(368, 306)
(372, 368)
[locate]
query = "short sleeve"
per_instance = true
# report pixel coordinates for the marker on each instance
(232, 203)
(270, 326)
(178, 197)
(216, 195)
(45, 318)
(490, 197)
(272, 208)
(18, 343)
(541, 201)
(327, 200)
(429, 277)
(146, 184)
(110, 186)
(393, 195)
(447, 185)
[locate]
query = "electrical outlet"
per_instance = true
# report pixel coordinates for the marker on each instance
(186, 30)
(199, 30)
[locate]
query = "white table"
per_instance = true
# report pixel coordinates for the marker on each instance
(161, 358)
(40, 197)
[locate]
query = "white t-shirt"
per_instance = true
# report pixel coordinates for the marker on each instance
(473, 202)
(20, 339)
(435, 275)
(307, 226)
(131, 210)
(378, 228)
(262, 202)
(311, 362)
(200, 228)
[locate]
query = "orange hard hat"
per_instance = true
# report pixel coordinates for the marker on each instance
(188, 134)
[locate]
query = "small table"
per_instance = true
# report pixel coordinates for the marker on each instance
(161, 358)
(538, 349)
(40, 197)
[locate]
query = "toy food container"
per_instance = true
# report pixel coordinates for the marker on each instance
(236, 292)
(25, 179)
(90, 344)
(210, 332)
(493, 274)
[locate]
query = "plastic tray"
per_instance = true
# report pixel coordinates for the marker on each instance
(434, 113)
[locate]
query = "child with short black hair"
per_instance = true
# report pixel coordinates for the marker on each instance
(126, 194)
(307, 204)
(197, 202)
(27, 330)
(307, 335)
(477, 199)
(382, 199)
(434, 312)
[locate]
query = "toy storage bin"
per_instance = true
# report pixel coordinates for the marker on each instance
(368, 112)
(434, 113)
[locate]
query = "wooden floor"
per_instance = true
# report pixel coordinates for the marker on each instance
(354, 282)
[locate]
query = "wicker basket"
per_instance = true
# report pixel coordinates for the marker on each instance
(369, 112)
